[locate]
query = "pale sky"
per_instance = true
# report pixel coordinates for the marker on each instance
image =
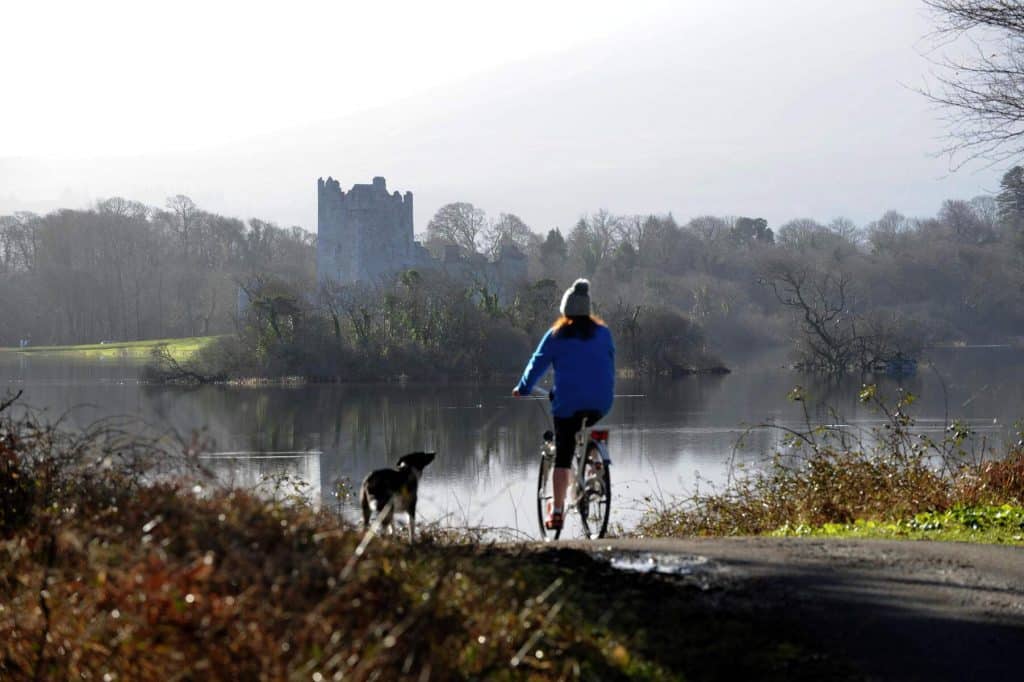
(546, 109)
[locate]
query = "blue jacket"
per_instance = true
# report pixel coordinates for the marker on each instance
(584, 371)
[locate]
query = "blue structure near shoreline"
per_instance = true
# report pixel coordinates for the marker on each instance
(901, 366)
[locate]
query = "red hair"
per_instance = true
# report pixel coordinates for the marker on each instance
(582, 325)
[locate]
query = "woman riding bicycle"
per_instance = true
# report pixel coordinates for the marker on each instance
(580, 348)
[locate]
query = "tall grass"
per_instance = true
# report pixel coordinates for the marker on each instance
(832, 476)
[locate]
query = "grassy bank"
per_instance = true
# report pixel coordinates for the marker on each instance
(858, 494)
(106, 574)
(894, 484)
(1003, 524)
(181, 349)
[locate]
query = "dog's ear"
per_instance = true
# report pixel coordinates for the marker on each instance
(411, 459)
(416, 459)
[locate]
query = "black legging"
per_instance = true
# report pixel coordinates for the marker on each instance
(566, 429)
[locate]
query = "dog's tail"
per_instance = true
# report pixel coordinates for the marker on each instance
(364, 500)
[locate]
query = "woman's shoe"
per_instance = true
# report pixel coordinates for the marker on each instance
(554, 520)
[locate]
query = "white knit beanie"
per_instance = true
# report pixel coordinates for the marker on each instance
(576, 301)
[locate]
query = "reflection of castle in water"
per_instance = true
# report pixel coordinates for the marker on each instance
(366, 234)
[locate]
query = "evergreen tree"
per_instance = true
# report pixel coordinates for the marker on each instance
(749, 230)
(553, 251)
(1010, 201)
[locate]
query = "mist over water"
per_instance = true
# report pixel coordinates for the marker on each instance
(667, 437)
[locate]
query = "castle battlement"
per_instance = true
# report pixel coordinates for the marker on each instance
(361, 194)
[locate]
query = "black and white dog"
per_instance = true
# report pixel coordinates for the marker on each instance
(391, 491)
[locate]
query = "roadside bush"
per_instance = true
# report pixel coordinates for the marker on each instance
(831, 477)
(827, 486)
(995, 481)
(17, 489)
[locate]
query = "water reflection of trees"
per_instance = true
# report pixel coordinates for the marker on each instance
(484, 436)
(481, 432)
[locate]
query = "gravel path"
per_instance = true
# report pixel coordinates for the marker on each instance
(896, 610)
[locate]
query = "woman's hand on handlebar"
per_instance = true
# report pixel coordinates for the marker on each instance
(537, 392)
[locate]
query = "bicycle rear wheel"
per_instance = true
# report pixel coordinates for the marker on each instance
(545, 496)
(595, 501)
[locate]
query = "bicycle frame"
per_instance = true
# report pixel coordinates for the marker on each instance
(584, 442)
(588, 484)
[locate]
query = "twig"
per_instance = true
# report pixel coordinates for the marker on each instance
(44, 634)
(371, 532)
(10, 401)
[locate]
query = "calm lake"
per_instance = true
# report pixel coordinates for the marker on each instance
(667, 436)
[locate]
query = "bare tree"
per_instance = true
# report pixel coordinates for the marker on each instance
(186, 213)
(836, 334)
(711, 229)
(821, 302)
(508, 229)
(960, 218)
(982, 90)
(986, 209)
(459, 223)
(18, 241)
(846, 229)
(164, 367)
(803, 233)
(885, 233)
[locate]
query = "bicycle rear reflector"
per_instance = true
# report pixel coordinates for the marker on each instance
(600, 435)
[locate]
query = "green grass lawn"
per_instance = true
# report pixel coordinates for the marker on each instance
(996, 524)
(180, 349)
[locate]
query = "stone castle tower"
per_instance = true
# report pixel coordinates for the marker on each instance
(366, 233)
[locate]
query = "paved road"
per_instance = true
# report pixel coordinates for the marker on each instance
(897, 610)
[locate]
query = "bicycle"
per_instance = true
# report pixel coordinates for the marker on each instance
(589, 495)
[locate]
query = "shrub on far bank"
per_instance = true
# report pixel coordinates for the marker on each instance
(424, 326)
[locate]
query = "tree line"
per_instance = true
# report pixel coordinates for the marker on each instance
(425, 325)
(123, 270)
(846, 296)
(676, 293)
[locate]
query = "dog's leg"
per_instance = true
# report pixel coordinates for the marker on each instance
(364, 499)
(412, 523)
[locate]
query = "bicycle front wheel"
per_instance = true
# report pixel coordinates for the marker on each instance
(595, 501)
